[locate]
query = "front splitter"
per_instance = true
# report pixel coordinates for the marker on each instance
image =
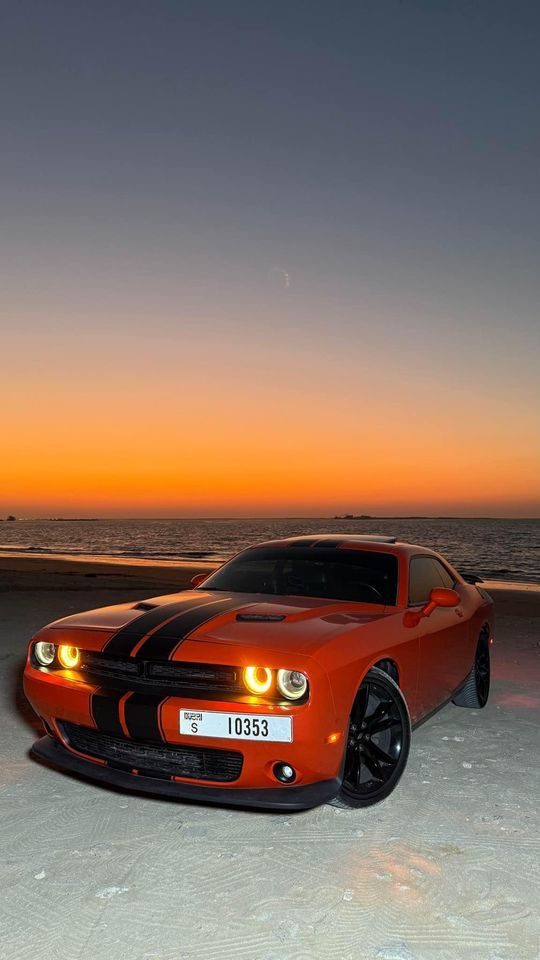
(302, 797)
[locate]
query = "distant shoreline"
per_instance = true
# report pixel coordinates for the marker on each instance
(271, 519)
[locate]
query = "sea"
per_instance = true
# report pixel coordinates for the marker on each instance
(494, 549)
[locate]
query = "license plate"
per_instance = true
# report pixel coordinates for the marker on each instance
(235, 726)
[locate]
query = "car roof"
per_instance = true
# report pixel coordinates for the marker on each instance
(375, 541)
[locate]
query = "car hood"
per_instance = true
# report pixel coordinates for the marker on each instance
(274, 622)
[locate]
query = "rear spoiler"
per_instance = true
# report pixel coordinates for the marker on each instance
(472, 578)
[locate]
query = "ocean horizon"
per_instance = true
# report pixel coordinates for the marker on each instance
(493, 548)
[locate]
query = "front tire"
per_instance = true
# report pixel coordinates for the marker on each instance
(378, 742)
(475, 691)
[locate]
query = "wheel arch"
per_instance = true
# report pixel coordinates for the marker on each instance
(387, 665)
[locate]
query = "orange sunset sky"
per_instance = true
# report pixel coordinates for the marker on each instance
(174, 423)
(259, 268)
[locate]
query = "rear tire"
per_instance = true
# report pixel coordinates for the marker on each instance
(475, 691)
(378, 741)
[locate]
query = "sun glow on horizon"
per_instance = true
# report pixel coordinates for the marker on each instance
(227, 434)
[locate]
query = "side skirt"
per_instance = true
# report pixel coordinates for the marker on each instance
(428, 716)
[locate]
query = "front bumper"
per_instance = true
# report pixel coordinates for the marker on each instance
(301, 797)
(315, 753)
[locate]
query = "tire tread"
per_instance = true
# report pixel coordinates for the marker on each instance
(468, 695)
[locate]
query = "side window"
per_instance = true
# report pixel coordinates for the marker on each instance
(425, 573)
(446, 577)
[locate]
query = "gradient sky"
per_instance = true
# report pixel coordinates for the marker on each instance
(269, 258)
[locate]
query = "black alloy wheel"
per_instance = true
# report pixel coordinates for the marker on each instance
(378, 742)
(482, 670)
(475, 691)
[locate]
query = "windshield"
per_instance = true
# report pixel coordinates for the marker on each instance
(364, 576)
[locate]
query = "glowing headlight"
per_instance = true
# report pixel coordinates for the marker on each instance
(68, 656)
(44, 653)
(258, 679)
(292, 684)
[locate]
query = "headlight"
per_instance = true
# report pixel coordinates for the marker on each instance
(258, 679)
(44, 653)
(292, 684)
(68, 656)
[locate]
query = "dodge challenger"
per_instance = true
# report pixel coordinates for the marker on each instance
(289, 677)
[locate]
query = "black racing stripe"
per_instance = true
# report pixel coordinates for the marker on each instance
(162, 643)
(127, 637)
(141, 715)
(104, 709)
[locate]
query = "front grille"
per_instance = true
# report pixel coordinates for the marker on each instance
(197, 675)
(110, 666)
(183, 676)
(165, 760)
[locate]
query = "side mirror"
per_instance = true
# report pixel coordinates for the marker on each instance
(438, 597)
(198, 579)
(443, 597)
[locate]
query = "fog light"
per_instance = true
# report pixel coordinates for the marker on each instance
(68, 656)
(258, 679)
(44, 653)
(284, 772)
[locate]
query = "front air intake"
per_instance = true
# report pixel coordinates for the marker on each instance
(155, 760)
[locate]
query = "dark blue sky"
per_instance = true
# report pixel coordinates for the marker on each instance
(358, 181)
(393, 142)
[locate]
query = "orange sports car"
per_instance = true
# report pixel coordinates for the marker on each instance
(289, 677)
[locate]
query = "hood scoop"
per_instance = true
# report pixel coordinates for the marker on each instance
(259, 617)
(144, 605)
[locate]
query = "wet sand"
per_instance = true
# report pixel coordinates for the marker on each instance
(18, 571)
(447, 868)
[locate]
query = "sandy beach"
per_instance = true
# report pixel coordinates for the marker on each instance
(446, 869)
